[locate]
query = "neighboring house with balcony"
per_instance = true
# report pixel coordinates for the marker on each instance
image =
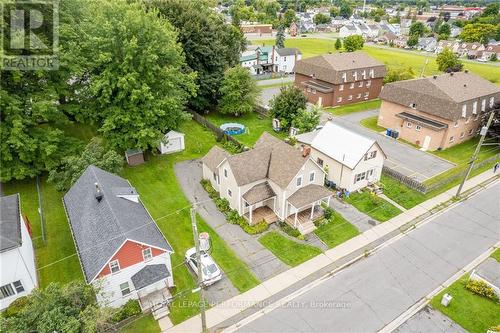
(339, 79)
(269, 59)
(121, 249)
(437, 112)
(17, 257)
(351, 161)
(271, 182)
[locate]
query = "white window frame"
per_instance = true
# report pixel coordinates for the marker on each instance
(471, 131)
(350, 98)
(409, 124)
(474, 107)
(418, 128)
(359, 177)
(123, 288)
(298, 181)
(369, 83)
(483, 105)
(452, 138)
(360, 84)
(351, 86)
(229, 193)
(117, 262)
(492, 101)
(462, 135)
(364, 74)
(372, 73)
(464, 110)
(225, 173)
(147, 254)
(341, 87)
(344, 77)
(320, 162)
(339, 100)
(358, 96)
(10, 288)
(19, 286)
(467, 120)
(456, 124)
(312, 176)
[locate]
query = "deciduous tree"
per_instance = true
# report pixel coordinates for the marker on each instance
(353, 43)
(239, 92)
(321, 18)
(447, 61)
(477, 32)
(417, 28)
(287, 105)
(399, 74)
(307, 120)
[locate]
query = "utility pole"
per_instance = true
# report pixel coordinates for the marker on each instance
(198, 265)
(484, 130)
(423, 68)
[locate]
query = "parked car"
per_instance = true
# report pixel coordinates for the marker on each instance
(210, 271)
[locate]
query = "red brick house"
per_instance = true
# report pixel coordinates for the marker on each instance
(339, 79)
(437, 112)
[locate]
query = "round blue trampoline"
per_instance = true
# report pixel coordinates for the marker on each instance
(233, 128)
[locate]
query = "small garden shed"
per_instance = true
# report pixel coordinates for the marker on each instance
(134, 156)
(173, 142)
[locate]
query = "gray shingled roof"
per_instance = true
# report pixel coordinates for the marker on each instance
(10, 223)
(441, 96)
(308, 194)
(330, 67)
(288, 51)
(100, 228)
(149, 275)
(213, 158)
(258, 193)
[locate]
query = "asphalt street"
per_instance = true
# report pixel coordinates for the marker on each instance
(374, 291)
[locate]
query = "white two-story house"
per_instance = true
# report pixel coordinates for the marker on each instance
(17, 258)
(351, 161)
(273, 181)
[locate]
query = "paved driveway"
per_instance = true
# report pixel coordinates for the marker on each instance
(430, 321)
(266, 94)
(374, 291)
(401, 157)
(260, 260)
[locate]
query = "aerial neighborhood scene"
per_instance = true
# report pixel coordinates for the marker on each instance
(187, 166)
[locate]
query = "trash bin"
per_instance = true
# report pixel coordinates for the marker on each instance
(388, 132)
(446, 299)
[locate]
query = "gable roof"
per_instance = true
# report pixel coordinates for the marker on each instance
(439, 95)
(342, 145)
(330, 67)
(288, 51)
(214, 157)
(100, 228)
(10, 223)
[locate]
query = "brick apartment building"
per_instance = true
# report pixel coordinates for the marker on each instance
(437, 112)
(339, 79)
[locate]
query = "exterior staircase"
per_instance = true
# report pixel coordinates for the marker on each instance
(306, 227)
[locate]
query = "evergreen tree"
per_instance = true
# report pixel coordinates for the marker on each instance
(280, 37)
(338, 44)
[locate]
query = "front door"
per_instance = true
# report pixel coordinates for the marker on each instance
(427, 142)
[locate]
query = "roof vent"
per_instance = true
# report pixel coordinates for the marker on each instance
(98, 193)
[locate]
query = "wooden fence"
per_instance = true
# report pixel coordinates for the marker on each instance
(408, 181)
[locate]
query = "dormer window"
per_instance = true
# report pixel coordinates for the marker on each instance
(364, 74)
(355, 76)
(372, 73)
(483, 105)
(344, 77)
(492, 101)
(413, 105)
(474, 107)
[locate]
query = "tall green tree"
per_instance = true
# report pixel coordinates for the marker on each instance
(289, 17)
(447, 61)
(210, 45)
(345, 10)
(287, 105)
(137, 82)
(478, 32)
(353, 43)
(321, 18)
(417, 29)
(239, 92)
(338, 44)
(280, 37)
(399, 74)
(307, 120)
(334, 11)
(412, 41)
(444, 29)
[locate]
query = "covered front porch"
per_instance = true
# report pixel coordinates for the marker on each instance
(259, 204)
(304, 207)
(151, 284)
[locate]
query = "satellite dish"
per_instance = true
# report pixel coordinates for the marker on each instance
(204, 239)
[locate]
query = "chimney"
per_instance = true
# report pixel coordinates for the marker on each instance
(306, 151)
(98, 193)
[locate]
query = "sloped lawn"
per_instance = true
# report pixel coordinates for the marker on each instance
(336, 231)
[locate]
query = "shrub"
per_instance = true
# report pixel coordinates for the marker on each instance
(231, 147)
(288, 230)
(212, 193)
(15, 307)
(222, 204)
(129, 309)
(256, 228)
(320, 222)
(233, 217)
(481, 288)
(328, 213)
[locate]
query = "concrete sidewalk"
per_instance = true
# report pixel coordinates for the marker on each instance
(330, 259)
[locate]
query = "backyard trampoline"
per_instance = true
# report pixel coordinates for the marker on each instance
(233, 128)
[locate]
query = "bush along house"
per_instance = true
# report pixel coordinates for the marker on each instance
(271, 182)
(437, 112)
(120, 248)
(339, 79)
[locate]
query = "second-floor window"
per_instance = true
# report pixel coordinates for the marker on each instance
(368, 83)
(147, 254)
(492, 101)
(114, 266)
(229, 192)
(299, 181)
(474, 107)
(341, 87)
(312, 175)
(320, 162)
(370, 155)
(483, 105)
(225, 173)
(351, 86)
(464, 110)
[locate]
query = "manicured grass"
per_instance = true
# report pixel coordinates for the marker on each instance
(162, 195)
(56, 259)
(371, 123)
(473, 312)
(337, 231)
(496, 254)
(373, 206)
(255, 124)
(405, 196)
(393, 58)
(146, 324)
(287, 250)
(355, 107)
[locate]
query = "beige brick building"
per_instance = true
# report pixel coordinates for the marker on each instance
(339, 79)
(437, 112)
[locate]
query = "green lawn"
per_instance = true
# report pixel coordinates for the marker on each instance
(473, 312)
(354, 107)
(255, 124)
(393, 58)
(337, 231)
(145, 324)
(373, 206)
(287, 250)
(371, 123)
(405, 196)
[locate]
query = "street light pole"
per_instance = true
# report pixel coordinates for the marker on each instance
(484, 130)
(198, 265)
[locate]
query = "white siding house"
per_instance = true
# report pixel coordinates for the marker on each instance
(17, 258)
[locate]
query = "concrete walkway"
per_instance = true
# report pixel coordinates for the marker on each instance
(222, 314)
(260, 260)
(431, 321)
(360, 220)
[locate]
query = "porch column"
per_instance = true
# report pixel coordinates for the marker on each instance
(312, 211)
(295, 222)
(250, 214)
(328, 201)
(274, 205)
